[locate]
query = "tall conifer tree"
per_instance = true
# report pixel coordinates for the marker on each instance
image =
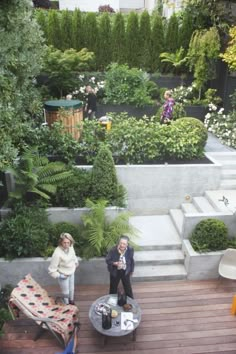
(42, 21)
(186, 30)
(157, 43)
(77, 30)
(145, 40)
(91, 32)
(66, 30)
(104, 53)
(133, 49)
(118, 39)
(172, 38)
(54, 29)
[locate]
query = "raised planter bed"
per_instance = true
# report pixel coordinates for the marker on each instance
(197, 111)
(93, 271)
(139, 112)
(200, 266)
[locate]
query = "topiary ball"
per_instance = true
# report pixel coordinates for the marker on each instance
(210, 235)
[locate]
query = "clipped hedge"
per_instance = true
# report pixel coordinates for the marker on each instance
(210, 235)
(141, 141)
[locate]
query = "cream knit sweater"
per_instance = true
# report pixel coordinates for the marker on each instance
(63, 262)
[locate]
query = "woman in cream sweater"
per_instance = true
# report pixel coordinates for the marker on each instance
(63, 265)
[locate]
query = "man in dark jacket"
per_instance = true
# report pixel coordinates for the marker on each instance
(120, 264)
(91, 102)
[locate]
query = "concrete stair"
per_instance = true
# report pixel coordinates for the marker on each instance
(159, 256)
(228, 163)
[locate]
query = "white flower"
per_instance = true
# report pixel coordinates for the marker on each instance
(208, 115)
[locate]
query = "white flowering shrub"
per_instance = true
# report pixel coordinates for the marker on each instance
(83, 80)
(222, 125)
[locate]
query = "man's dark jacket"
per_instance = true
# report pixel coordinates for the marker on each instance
(114, 256)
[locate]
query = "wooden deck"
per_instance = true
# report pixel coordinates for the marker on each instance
(180, 317)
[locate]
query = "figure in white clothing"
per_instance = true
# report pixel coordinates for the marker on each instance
(63, 265)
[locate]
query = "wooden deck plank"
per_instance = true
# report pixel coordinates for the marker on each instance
(179, 317)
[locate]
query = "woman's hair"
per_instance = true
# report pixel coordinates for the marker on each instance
(168, 93)
(67, 236)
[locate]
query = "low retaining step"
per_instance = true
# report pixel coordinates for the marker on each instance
(159, 257)
(229, 164)
(189, 208)
(229, 174)
(203, 205)
(228, 184)
(222, 156)
(218, 197)
(159, 272)
(177, 217)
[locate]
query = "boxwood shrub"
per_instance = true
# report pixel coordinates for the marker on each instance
(144, 140)
(210, 235)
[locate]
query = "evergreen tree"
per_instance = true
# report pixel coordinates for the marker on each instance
(157, 43)
(66, 30)
(42, 21)
(172, 39)
(118, 39)
(186, 30)
(145, 40)
(103, 179)
(133, 49)
(77, 30)
(54, 29)
(91, 32)
(104, 54)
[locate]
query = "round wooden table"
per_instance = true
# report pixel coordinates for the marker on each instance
(115, 330)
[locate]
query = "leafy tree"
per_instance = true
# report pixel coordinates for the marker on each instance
(157, 43)
(22, 49)
(105, 42)
(77, 30)
(118, 39)
(145, 40)
(172, 39)
(133, 49)
(60, 67)
(54, 29)
(204, 49)
(66, 30)
(230, 54)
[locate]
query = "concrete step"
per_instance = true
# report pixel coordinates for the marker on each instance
(217, 198)
(159, 257)
(228, 174)
(189, 208)
(228, 164)
(159, 272)
(177, 217)
(156, 232)
(221, 156)
(203, 205)
(228, 184)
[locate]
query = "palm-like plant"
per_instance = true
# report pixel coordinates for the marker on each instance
(176, 59)
(34, 173)
(102, 233)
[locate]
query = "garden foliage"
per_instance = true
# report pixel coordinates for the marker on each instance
(210, 235)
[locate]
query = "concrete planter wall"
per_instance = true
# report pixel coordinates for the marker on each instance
(93, 271)
(198, 112)
(200, 266)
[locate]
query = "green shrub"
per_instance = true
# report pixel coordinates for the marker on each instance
(24, 233)
(74, 230)
(74, 192)
(209, 235)
(124, 85)
(104, 182)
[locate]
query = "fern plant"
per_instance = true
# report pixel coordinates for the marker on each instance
(101, 233)
(177, 59)
(35, 174)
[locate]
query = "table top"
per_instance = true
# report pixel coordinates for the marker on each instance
(115, 330)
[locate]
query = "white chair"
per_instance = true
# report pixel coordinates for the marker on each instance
(227, 266)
